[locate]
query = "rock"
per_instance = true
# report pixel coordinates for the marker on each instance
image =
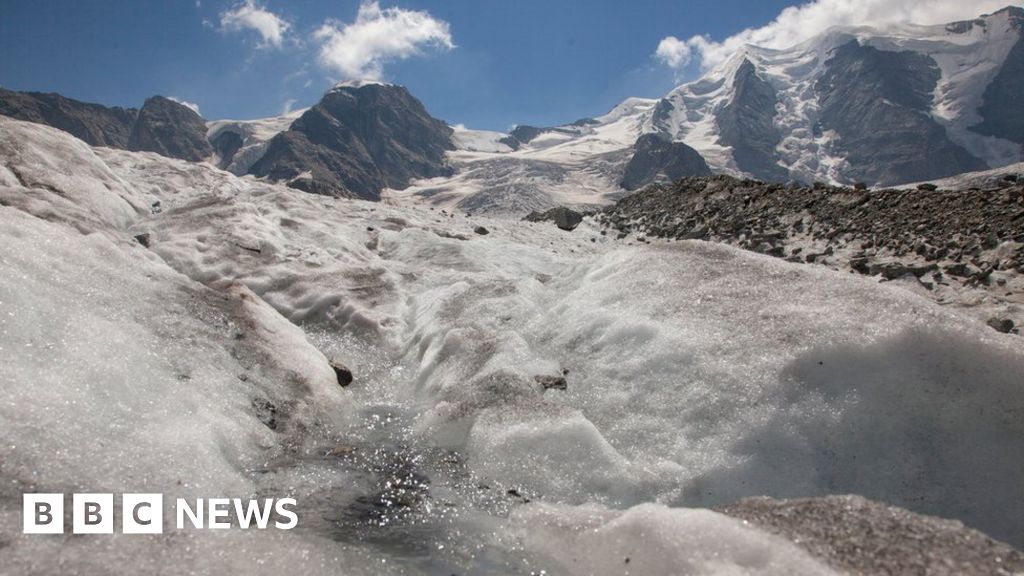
(342, 372)
(143, 239)
(563, 217)
(552, 382)
(170, 129)
(1004, 325)
(226, 144)
(342, 450)
(860, 186)
(894, 270)
(657, 158)
(860, 265)
(960, 269)
(859, 536)
(927, 187)
(266, 412)
(481, 230)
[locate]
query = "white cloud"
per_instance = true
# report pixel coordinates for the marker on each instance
(673, 52)
(361, 49)
(287, 107)
(796, 24)
(251, 16)
(191, 105)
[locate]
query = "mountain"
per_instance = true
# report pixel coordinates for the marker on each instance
(658, 159)
(162, 125)
(170, 129)
(95, 124)
(358, 140)
(860, 104)
(884, 107)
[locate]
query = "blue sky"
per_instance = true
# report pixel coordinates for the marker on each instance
(484, 63)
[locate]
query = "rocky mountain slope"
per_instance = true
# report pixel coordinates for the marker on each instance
(358, 140)
(658, 159)
(95, 124)
(170, 129)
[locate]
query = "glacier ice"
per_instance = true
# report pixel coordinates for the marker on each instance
(697, 374)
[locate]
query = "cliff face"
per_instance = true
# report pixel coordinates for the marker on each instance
(357, 141)
(170, 129)
(879, 104)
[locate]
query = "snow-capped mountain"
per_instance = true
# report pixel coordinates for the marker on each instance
(885, 107)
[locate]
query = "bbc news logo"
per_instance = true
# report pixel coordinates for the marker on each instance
(144, 513)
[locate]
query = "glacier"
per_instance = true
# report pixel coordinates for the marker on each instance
(697, 374)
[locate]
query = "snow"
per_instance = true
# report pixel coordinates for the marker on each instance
(479, 140)
(697, 374)
(256, 135)
(572, 165)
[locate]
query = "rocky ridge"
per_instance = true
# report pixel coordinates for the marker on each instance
(95, 124)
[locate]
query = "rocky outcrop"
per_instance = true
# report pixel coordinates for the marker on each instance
(226, 144)
(565, 218)
(524, 134)
(1002, 108)
(94, 124)
(858, 536)
(357, 141)
(879, 105)
(170, 129)
(747, 125)
(658, 159)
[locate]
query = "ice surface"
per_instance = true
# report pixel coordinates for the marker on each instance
(653, 539)
(697, 374)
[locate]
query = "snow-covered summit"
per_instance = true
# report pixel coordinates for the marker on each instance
(884, 106)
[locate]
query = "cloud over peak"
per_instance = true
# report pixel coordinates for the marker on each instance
(361, 49)
(796, 24)
(251, 16)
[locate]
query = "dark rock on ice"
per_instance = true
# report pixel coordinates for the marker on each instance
(1004, 325)
(565, 218)
(552, 382)
(343, 373)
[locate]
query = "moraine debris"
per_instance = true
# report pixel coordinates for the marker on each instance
(552, 382)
